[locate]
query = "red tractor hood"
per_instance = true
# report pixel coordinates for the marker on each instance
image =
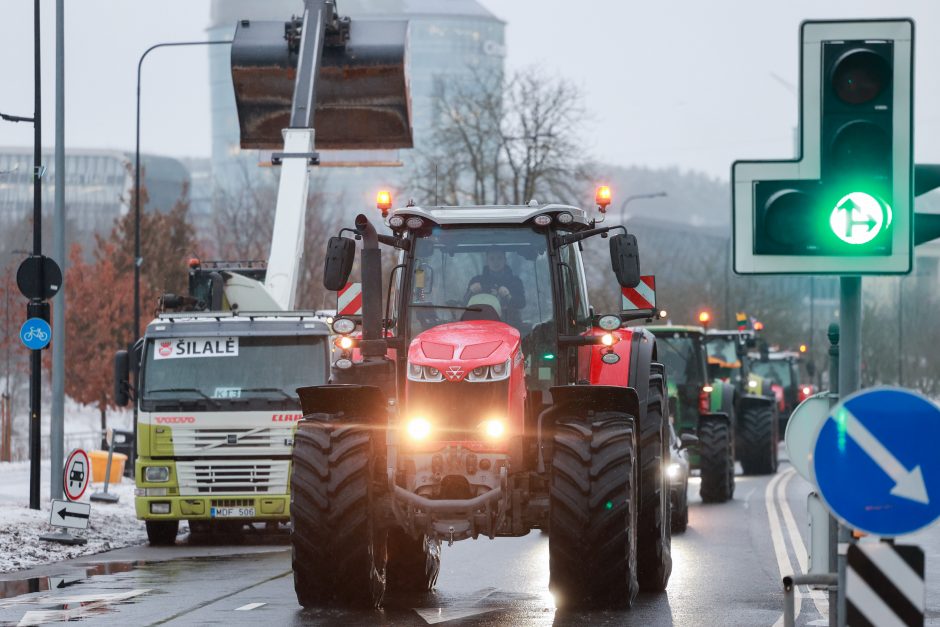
(457, 348)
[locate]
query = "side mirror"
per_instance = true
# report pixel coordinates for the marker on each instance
(811, 369)
(340, 254)
(687, 440)
(625, 259)
(121, 374)
(740, 349)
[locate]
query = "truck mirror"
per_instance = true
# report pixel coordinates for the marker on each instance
(811, 369)
(121, 374)
(340, 254)
(625, 259)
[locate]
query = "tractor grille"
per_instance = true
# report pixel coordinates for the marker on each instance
(459, 407)
(231, 477)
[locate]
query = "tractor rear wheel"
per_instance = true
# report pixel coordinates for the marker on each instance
(338, 557)
(413, 564)
(717, 461)
(593, 512)
(654, 557)
(758, 440)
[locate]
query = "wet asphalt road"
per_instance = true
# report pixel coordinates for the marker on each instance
(726, 572)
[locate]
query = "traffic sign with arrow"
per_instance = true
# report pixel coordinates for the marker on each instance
(875, 464)
(69, 514)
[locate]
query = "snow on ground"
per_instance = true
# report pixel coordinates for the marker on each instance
(110, 526)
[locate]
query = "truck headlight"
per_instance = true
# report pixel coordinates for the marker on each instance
(156, 474)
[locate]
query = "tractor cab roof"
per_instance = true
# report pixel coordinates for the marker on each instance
(496, 214)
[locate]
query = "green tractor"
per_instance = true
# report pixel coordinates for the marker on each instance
(753, 399)
(700, 406)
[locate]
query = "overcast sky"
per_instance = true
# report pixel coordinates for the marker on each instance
(668, 83)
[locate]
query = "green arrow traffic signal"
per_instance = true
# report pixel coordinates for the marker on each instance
(858, 218)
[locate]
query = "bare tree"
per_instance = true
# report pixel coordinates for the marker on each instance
(503, 140)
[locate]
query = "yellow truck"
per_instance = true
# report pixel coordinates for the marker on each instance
(216, 410)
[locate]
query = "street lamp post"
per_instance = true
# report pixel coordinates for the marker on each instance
(137, 258)
(628, 199)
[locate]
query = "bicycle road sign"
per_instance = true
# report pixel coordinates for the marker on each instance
(36, 334)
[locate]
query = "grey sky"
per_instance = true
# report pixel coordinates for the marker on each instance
(680, 82)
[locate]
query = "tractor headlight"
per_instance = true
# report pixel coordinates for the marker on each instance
(156, 474)
(418, 428)
(496, 372)
(493, 428)
(752, 383)
(417, 372)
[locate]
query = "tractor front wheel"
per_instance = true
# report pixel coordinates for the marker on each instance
(717, 461)
(593, 512)
(338, 557)
(758, 440)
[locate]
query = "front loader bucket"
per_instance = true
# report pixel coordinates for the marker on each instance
(361, 95)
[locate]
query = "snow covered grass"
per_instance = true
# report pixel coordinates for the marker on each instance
(110, 526)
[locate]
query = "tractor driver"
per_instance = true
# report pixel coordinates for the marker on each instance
(498, 280)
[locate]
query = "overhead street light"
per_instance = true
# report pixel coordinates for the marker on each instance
(628, 199)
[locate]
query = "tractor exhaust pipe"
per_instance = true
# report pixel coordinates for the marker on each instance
(373, 342)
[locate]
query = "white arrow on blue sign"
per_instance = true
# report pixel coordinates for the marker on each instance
(35, 334)
(875, 461)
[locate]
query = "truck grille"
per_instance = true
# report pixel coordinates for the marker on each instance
(232, 477)
(225, 441)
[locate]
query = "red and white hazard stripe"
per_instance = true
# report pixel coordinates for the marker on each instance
(641, 297)
(349, 300)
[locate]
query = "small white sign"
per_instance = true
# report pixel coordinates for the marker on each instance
(227, 393)
(190, 347)
(69, 514)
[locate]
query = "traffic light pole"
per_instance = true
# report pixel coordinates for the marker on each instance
(850, 342)
(35, 357)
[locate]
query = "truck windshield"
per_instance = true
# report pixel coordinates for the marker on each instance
(231, 372)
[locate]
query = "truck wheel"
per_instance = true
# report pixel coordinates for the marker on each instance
(654, 557)
(592, 536)
(413, 565)
(717, 461)
(337, 556)
(758, 440)
(162, 532)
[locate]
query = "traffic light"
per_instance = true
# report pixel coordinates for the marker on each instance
(845, 206)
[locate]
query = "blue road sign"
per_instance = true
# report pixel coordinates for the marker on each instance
(875, 461)
(35, 333)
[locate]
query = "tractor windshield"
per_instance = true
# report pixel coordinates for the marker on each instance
(677, 352)
(776, 371)
(481, 273)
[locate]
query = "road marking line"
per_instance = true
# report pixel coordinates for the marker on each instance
(250, 606)
(796, 541)
(780, 547)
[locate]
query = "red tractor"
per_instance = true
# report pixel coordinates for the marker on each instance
(489, 399)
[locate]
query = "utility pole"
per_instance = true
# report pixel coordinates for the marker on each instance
(57, 422)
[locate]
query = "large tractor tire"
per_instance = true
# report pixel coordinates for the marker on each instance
(717, 461)
(592, 537)
(162, 532)
(413, 564)
(338, 557)
(757, 440)
(654, 556)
